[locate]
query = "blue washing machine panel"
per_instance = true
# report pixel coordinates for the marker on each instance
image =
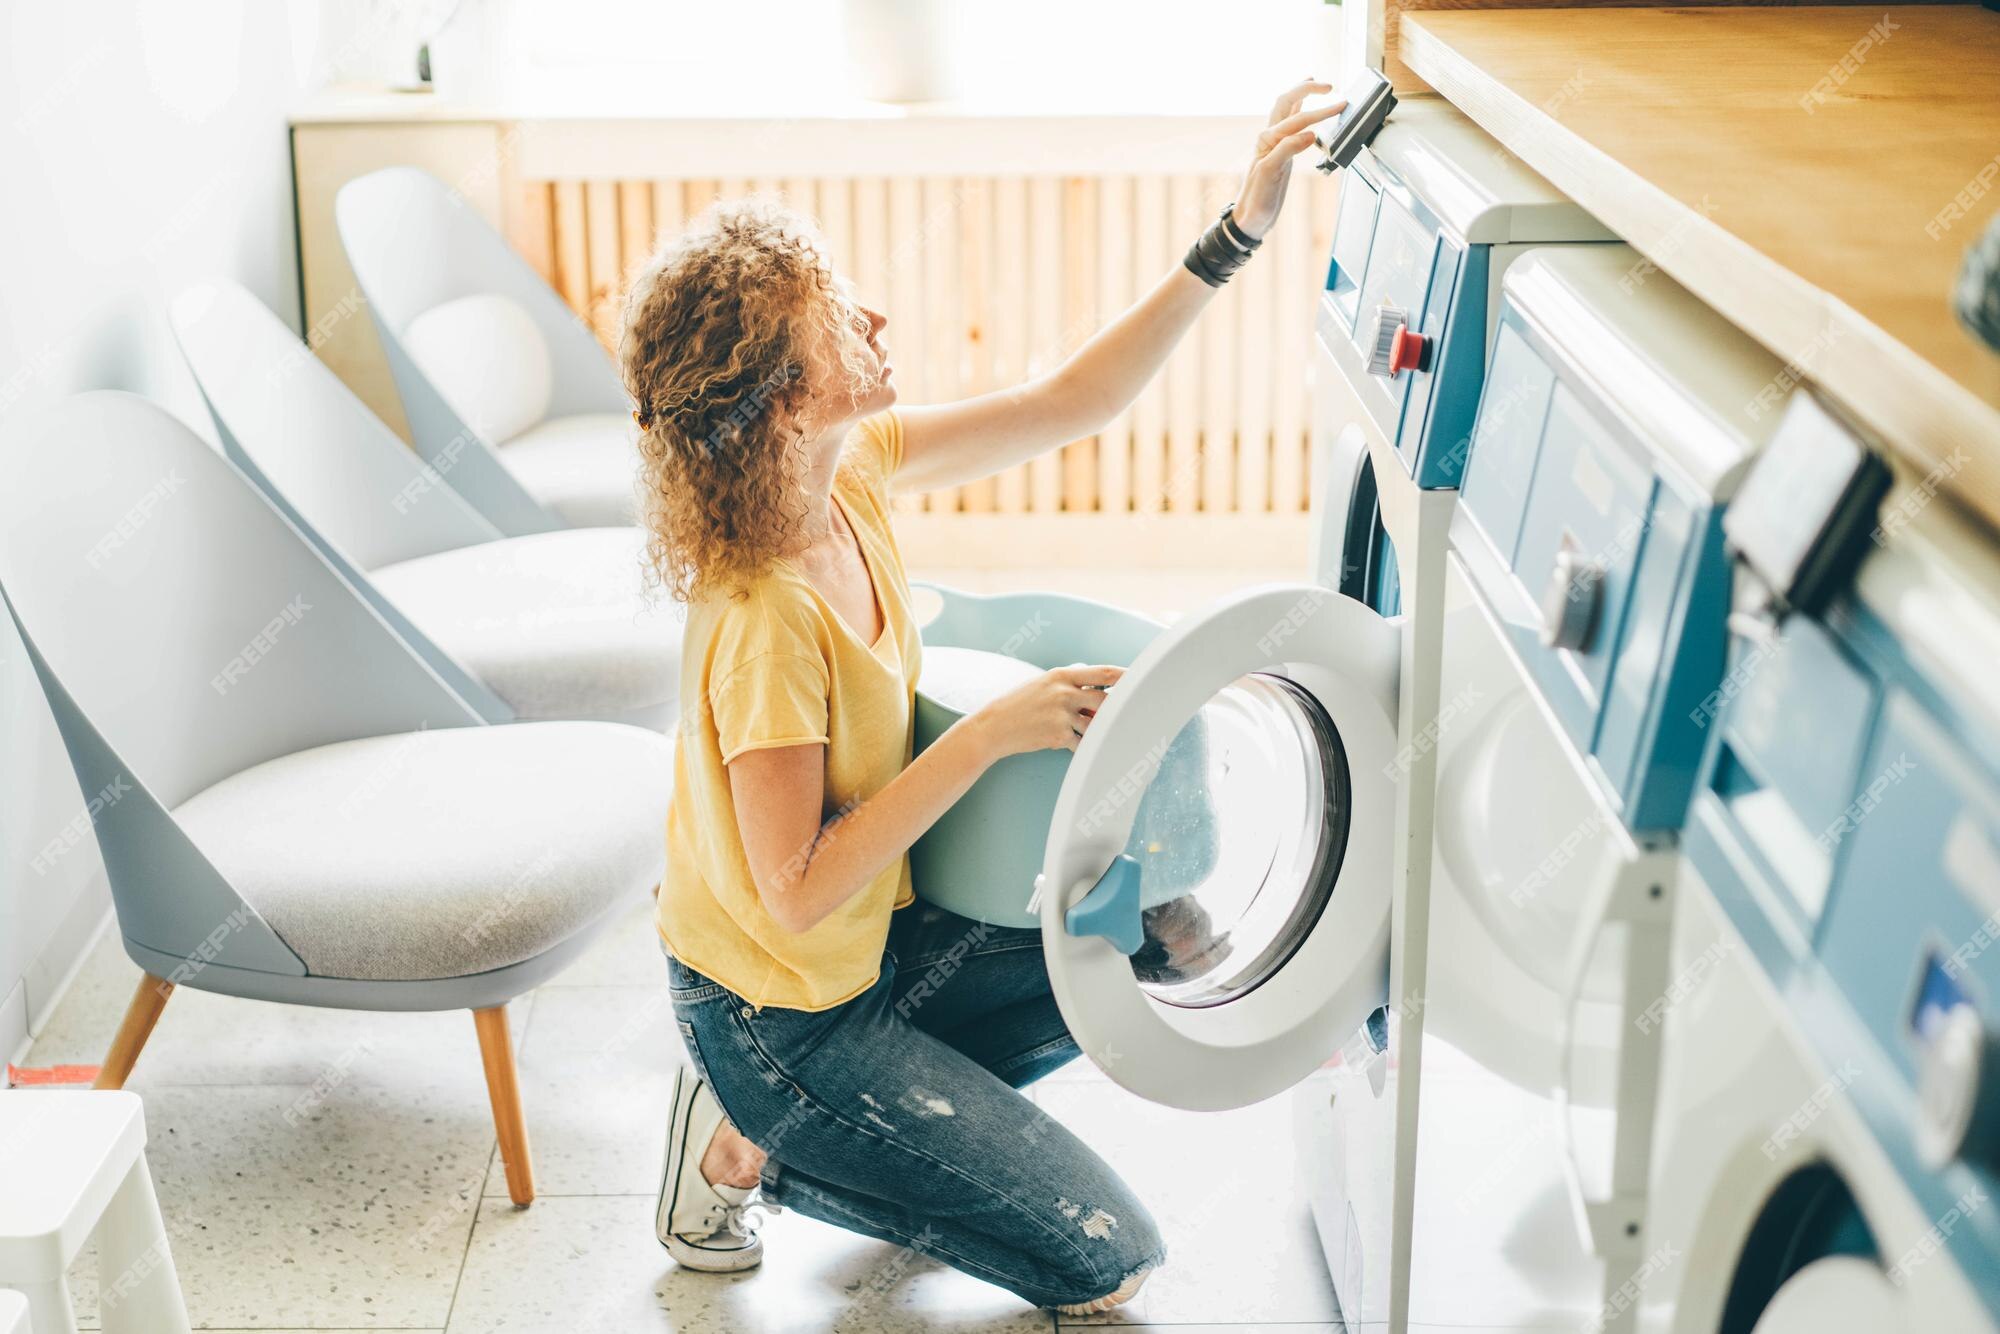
(1847, 820)
(1560, 480)
(1508, 436)
(1353, 231)
(1391, 249)
(1918, 882)
(1849, 825)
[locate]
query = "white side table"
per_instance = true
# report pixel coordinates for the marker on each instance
(13, 1312)
(74, 1165)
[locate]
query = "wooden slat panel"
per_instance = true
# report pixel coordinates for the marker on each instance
(1114, 293)
(635, 227)
(531, 227)
(905, 297)
(800, 194)
(976, 300)
(1291, 239)
(698, 195)
(1221, 336)
(1149, 414)
(1257, 352)
(871, 241)
(1010, 318)
(904, 300)
(669, 211)
(834, 207)
(572, 254)
(1183, 372)
(1319, 244)
(1080, 319)
(991, 280)
(942, 220)
(607, 274)
(875, 285)
(1045, 321)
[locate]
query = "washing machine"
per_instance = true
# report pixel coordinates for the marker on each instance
(1829, 1115)
(1589, 545)
(1432, 215)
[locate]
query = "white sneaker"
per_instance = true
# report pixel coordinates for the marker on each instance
(705, 1227)
(1125, 1292)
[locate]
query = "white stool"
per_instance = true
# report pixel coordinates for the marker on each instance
(75, 1164)
(13, 1312)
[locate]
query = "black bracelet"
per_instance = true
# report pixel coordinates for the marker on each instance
(1221, 250)
(1243, 239)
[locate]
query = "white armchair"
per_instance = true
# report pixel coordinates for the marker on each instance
(547, 625)
(493, 369)
(291, 804)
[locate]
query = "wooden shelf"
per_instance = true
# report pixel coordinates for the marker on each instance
(1805, 198)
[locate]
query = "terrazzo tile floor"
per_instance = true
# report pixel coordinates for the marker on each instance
(328, 1170)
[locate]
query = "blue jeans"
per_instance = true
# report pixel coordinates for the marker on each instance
(894, 1114)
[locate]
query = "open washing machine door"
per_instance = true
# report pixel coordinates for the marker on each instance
(1839, 1292)
(1228, 950)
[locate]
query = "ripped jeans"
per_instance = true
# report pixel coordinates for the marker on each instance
(895, 1114)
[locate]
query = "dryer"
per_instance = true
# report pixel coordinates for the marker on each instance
(1828, 1132)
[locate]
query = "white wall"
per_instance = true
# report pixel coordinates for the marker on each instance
(142, 144)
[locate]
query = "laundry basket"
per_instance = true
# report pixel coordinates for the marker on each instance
(982, 856)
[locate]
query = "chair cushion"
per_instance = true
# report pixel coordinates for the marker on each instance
(584, 468)
(425, 855)
(555, 623)
(486, 355)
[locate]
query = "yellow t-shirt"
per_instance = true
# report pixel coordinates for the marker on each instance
(781, 668)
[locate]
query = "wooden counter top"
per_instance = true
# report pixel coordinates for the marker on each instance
(1815, 174)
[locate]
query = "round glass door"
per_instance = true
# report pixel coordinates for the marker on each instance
(1239, 838)
(1247, 764)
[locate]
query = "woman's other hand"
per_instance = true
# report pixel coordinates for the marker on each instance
(1288, 134)
(1051, 712)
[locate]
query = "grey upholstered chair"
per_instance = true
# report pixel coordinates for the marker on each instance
(496, 374)
(547, 625)
(292, 806)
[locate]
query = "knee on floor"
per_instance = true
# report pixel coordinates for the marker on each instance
(1117, 1241)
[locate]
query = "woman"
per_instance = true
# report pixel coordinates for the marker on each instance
(856, 1055)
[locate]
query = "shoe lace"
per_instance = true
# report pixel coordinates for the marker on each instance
(742, 1220)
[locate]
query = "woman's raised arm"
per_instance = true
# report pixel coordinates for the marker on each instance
(945, 444)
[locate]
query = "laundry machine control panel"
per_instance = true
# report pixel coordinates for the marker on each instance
(1610, 437)
(1847, 820)
(1430, 215)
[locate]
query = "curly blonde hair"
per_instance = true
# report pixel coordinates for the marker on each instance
(736, 337)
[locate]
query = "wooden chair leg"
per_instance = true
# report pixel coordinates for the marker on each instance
(496, 1049)
(140, 1016)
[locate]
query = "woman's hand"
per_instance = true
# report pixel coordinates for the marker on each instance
(1051, 712)
(1288, 134)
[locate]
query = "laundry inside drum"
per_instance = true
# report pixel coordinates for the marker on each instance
(1239, 838)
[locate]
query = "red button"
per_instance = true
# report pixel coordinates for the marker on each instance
(1408, 351)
